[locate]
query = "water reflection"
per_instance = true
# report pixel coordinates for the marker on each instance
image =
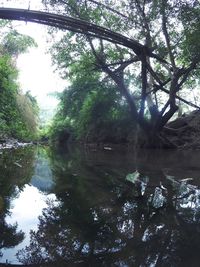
(42, 177)
(12, 179)
(97, 217)
(25, 211)
(21, 202)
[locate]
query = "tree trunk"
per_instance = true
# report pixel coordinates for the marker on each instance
(159, 141)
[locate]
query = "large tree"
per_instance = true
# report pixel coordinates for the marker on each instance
(166, 63)
(91, 110)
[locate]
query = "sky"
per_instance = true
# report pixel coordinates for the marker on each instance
(26, 210)
(36, 71)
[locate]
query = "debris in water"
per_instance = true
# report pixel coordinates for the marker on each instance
(186, 179)
(17, 164)
(132, 177)
(107, 148)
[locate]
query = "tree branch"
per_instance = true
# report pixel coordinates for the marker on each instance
(144, 86)
(166, 34)
(119, 80)
(126, 62)
(108, 8)
(146, 27)
(187, 72)
(178, 97)
(155, 76)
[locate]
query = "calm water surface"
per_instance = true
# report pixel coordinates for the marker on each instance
(79, 207)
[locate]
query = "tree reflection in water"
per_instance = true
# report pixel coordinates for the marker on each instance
(100, 219)
(9, 236)
(12, 180)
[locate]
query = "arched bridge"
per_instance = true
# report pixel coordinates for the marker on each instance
(75, 25)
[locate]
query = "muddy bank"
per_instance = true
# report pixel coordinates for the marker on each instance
(181, 133)
(184, 132)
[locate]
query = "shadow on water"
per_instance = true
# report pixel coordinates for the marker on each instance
(117, 209)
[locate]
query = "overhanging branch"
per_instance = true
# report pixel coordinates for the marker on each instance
(178, 97)
(78, 26)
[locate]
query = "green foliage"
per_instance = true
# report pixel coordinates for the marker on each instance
(168, 28)
(59, 127)
(8, 90)
(18, 112)
(15, 43)
(28, 110)
(91, 109)
(190, 15)
(14, 115)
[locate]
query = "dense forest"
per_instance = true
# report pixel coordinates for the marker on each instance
(118, 93)
(131, 67)
(18, 110)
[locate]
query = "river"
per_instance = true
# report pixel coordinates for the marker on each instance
(82, 207)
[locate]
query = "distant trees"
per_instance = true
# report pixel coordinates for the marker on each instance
(152, 78)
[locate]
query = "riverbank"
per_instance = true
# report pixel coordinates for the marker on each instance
(11, 143)
(184, 131)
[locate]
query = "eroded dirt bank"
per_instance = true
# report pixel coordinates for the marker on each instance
(184, 132)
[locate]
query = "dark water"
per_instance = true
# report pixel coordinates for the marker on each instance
(77, 207)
